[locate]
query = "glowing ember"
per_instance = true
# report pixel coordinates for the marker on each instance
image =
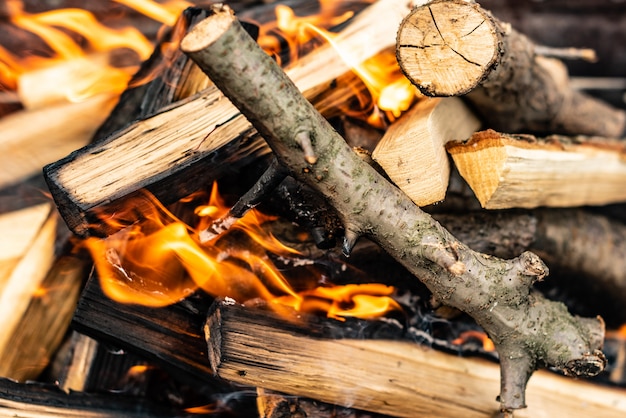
(478, 335)
(138, 370)
(155, 259)
(205, 409)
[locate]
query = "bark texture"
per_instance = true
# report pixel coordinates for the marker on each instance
(454, 47)
(528, 330)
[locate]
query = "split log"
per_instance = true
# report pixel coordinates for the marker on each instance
(27, 250)
(522, 171)
(30, 139)
(398, 378)
(452, 47)
(40, 331)
(177, 157)
(412, 151)
(495, 292)
(170, 335)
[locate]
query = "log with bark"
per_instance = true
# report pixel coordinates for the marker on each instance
(453, 47)
(573, 242)
(523, 171)
(528, 330)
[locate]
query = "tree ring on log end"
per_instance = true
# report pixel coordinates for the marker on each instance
(446, 48)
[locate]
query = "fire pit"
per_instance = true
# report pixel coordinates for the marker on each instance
(249, 198)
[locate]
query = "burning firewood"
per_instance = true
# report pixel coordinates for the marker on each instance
(308, 357)
(412, 150)
(177, 157)
(452, 47)
(508, 171)
(148, 93)
(66, 91)
(495, 292)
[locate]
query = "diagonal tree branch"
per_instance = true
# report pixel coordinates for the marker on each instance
(528, 330)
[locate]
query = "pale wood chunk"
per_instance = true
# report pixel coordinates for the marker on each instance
(31, 232)
(412, 151)
(30, 139)
(398, 378)
(522, 171)
(43, 325)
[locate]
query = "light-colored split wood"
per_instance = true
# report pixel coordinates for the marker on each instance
(506, 171)
(412, 151)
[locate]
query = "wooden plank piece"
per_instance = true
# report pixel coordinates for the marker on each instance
(412, 151)
(509, 171)
(399, 378)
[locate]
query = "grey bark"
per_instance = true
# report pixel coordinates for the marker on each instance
(528, 330)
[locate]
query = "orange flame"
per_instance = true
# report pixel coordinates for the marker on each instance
(390, 91)
(77, 72)
(155, 259)
(166, 13)
(617, 334)
(295, 30)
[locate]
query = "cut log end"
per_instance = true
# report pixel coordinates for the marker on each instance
(200, 37)
(447, 48)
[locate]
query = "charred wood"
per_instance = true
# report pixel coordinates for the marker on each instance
(47, 401)
(156, 83)
(171, 335)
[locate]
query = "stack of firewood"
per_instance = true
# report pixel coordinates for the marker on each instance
(516, 133)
